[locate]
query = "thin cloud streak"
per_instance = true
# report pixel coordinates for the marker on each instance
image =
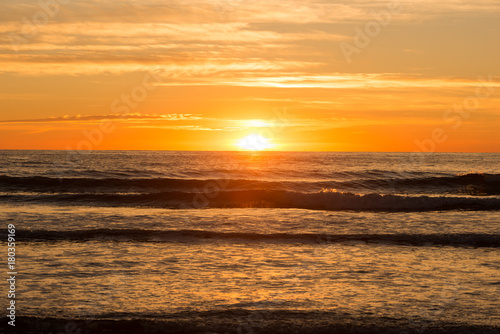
(135, 117)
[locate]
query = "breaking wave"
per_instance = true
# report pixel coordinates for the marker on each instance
(322, 200)
(470, 184)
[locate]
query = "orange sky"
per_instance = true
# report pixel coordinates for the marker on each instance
(313, 75)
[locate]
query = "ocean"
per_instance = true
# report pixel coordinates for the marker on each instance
(252, 242)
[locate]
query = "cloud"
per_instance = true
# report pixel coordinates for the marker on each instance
(346, 81)
(92, 118)
(196, 36)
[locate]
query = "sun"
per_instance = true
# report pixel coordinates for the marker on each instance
(254, 142)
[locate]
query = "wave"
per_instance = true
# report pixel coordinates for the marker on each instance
(140, 235)
(41, 183)
(323, 200)
(470, 184)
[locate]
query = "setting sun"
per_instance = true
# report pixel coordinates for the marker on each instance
(228, 166)
(254, 142)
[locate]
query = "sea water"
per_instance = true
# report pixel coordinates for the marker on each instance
(249, 242)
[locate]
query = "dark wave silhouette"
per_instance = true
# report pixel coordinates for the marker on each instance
(140, 235)
(471, 184)
(323, 200)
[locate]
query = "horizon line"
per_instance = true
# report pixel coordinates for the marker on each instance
(242, 151)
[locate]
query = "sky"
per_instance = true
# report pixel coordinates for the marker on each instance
(308, 75)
